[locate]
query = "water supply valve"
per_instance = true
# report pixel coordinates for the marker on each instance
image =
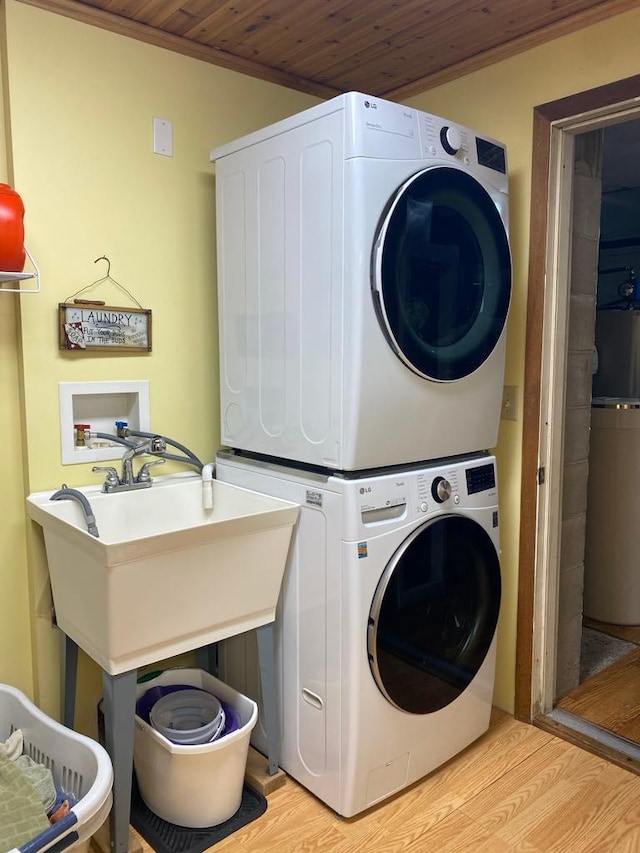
(81, 434)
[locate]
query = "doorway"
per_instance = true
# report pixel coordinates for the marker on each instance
(562, 130)
(598, 633)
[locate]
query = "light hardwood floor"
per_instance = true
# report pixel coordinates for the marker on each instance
(610, 699)
(516, 789)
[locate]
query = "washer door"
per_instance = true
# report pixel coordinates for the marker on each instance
(442, 274)
(434, 614)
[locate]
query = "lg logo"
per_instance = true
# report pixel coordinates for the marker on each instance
(370, 106)
(364, 490)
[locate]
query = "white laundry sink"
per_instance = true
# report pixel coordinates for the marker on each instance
(164, 575)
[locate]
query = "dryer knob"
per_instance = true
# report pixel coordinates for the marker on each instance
(451, 140)
(441, 490)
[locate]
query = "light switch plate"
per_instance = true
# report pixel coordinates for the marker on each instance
(162, 137)
(509, 410)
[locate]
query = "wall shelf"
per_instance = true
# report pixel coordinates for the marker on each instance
(17, 277)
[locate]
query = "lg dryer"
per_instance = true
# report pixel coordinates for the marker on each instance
(386, 624)
(364, 280)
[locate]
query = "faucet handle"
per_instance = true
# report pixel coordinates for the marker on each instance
(143, 473)
(112, 479)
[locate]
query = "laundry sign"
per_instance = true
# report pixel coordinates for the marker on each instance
(85, 325)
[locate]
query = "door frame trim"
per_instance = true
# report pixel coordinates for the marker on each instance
(553, 122)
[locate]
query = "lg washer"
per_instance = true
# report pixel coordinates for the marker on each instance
(364, 281)
(386, 625)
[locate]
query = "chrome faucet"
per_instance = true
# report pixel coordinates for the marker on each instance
(150, 446)
(154, 446)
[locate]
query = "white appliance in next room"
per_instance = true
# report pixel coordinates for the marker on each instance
(386, 625)
(617, 362)
(364, 280)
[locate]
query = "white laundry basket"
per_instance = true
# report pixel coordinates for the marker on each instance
(80, 767)
(196, 785)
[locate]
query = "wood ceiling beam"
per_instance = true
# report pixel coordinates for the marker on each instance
(340, 80)
(150, 35)
(577, 21)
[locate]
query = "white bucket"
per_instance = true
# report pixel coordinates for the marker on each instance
(189, 717)
(194, 785)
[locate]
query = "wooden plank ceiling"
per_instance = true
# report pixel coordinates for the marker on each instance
(391, 48)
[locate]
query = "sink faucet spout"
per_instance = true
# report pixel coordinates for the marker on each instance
(154, 446)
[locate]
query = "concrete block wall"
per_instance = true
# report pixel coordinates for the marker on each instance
(582, 314)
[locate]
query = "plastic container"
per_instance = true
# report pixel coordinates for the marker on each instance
(148, 699)
(12, 252)
(196, 785)
(188, 717)
(79, 765)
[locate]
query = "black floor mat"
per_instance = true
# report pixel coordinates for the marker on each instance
(168, 838)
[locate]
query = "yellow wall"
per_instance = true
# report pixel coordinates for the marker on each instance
(499, 101)
(82, 104)
(16, 659)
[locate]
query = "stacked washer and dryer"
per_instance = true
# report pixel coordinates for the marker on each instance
(364, 281)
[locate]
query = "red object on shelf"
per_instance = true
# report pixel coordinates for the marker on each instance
(12, 253)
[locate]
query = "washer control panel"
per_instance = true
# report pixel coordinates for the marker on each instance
(481, 478)
(414, 493)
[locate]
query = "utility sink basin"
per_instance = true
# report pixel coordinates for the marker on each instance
(165, 575)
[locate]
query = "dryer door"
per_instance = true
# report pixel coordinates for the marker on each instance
(434, 614)
(441, 274)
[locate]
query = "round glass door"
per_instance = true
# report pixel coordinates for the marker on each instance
(434, 614)
(442, 274)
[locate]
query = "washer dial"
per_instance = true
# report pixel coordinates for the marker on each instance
(441, 490)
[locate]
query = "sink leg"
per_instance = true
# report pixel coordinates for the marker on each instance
(119, 710)
(69, 666)
(207, 658)
(267, 658)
